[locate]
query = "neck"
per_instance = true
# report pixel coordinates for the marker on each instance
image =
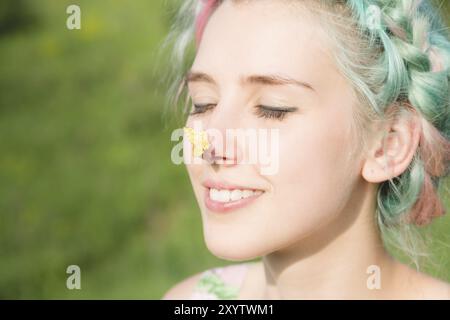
(332, 262)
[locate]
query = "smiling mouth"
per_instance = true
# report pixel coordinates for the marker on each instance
(225, 200)
(227, 196)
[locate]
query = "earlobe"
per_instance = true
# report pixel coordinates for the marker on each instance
(394, 149)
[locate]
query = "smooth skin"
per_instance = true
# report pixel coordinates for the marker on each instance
(314, 226)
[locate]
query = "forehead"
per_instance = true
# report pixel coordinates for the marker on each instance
(262, 36)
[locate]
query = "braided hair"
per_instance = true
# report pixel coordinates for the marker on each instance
(414, 66)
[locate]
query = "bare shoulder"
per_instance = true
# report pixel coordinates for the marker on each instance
(435, 288)
(424, 286)
(183, 289)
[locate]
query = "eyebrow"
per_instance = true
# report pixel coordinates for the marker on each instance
(264, 79)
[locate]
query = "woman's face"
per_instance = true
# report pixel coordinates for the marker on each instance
(317, 175)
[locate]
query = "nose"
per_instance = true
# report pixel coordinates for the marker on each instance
(224, 147)
(223, 150)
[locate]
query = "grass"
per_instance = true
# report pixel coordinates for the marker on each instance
(85, 173)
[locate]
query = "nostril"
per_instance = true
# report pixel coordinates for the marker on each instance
(211, 158)
(209, 155)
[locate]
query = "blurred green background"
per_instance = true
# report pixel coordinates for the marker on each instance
(85, 170)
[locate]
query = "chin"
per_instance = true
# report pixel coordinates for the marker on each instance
(242, 245)
(234, 250)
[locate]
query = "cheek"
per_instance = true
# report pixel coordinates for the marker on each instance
(314, 176)
(195, 172)
(194, 166)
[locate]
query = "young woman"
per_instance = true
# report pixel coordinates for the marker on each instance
(358, 91)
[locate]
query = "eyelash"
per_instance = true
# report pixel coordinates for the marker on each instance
(268, 112)
(261, 111)
(201, 108)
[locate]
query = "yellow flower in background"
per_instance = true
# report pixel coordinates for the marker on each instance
(199, 140)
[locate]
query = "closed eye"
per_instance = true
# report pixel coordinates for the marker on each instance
(269, 112)
(201, 108)
(261, 111)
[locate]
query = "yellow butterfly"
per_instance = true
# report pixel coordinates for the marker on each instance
(199, 139)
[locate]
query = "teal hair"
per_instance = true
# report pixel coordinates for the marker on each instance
(410, 28)
(403, 64)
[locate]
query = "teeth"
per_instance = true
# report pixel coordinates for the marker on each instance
(247, 193)
(231, 195)
(224, 195)
(236, 195)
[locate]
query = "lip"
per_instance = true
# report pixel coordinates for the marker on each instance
(224, 207)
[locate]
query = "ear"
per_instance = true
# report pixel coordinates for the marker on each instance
(394, 147)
